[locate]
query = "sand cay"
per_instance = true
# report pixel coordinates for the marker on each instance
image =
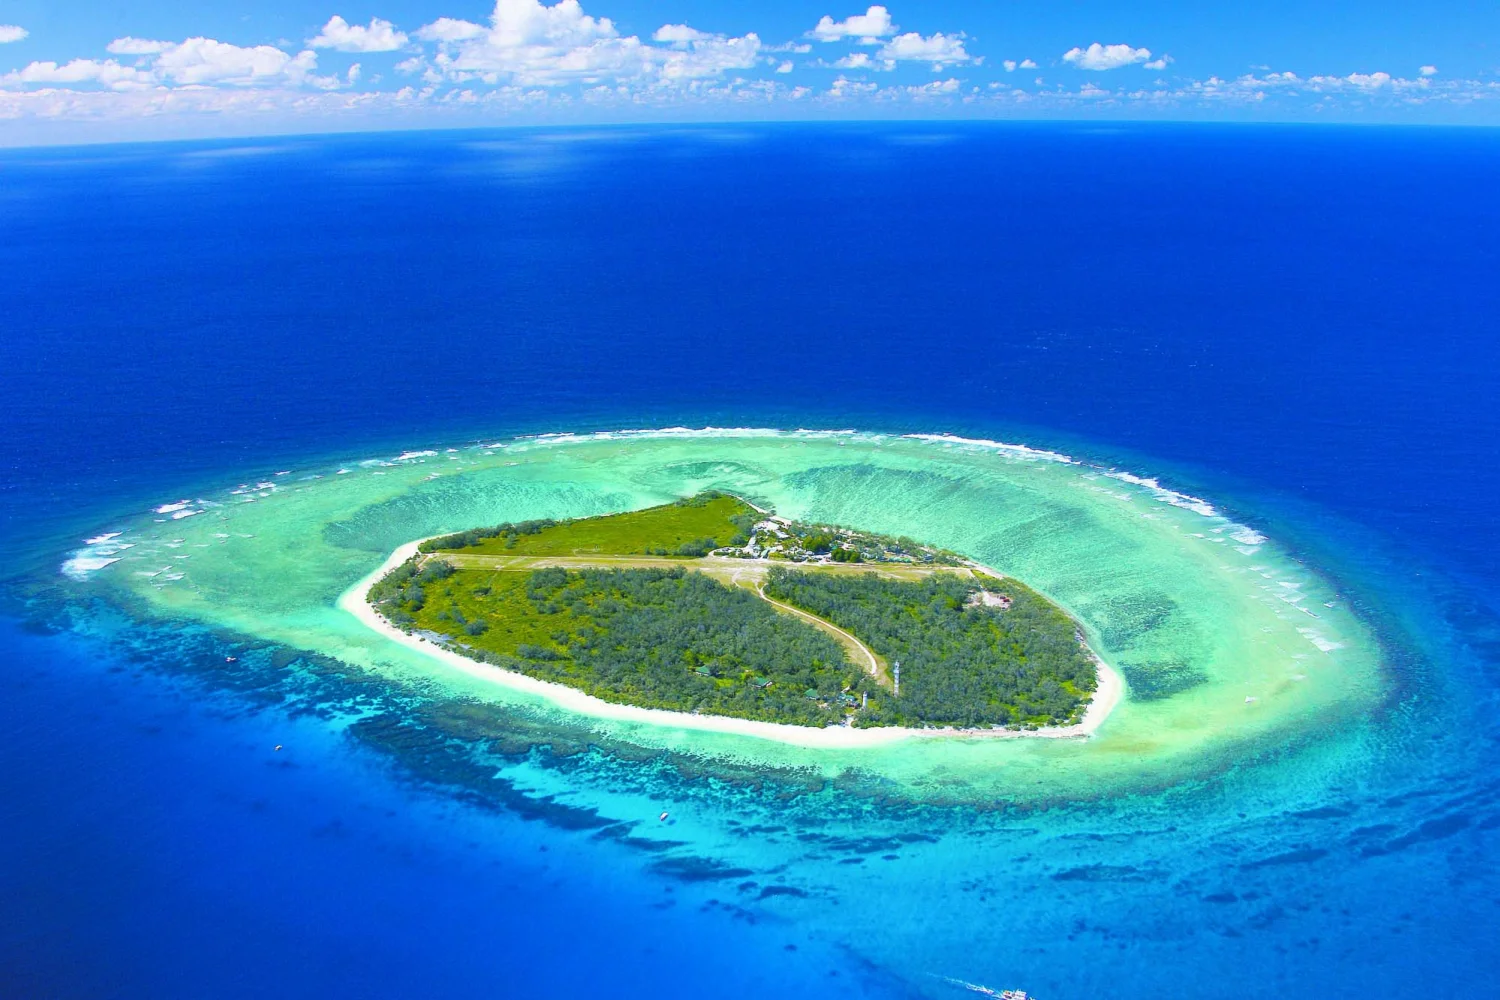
(1107, 696)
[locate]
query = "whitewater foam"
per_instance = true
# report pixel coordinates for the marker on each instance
(1165, 495)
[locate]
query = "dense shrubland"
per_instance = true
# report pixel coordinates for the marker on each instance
(962, 663)
(658, 638)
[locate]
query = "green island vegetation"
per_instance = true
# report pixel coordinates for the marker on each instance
(712, 605)
(969, 657)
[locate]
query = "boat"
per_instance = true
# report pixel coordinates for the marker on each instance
(986, 991)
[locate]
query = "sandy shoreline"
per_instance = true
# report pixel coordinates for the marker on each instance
(1108, 694)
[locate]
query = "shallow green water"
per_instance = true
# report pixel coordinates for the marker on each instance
(1228, 645)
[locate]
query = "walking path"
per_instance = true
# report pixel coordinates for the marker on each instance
(877, 667)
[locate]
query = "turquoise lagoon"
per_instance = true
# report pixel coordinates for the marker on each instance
(1229, 646)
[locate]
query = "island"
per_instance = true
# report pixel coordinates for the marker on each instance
(714, 606)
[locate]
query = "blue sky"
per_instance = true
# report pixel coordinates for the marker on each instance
(76, 70)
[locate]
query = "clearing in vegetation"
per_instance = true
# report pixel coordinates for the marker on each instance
(687, 528)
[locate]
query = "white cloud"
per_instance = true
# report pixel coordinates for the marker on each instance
(872, 24)
(415, 65)
(450, 29)
(1102, 57)
(528, 43)
(679, 34)
(709, 55)
(937, 88)
(529, 22)
(1363, 81)
(144, 106)
(129, 46)
(206, 61)
(856, 60)
(696, 54)
(531, 44)
(939, 49)
(553, 61)
(192, 62)
(12, 33)
(107, 73)
(377, 36)
(1360, 87)
(844, 87)
(1369, 83)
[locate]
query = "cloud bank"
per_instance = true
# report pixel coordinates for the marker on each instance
(537, 61)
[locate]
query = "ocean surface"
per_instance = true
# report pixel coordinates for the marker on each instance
(1290, 331)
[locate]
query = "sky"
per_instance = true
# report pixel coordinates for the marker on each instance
(99, 70)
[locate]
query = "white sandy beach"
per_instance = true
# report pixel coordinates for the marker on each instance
(1108, 694)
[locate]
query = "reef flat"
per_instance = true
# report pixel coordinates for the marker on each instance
(1228, 645)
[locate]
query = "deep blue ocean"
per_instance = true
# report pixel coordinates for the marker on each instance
(1298, 322)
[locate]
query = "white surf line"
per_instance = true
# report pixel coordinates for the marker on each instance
(355, 601)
